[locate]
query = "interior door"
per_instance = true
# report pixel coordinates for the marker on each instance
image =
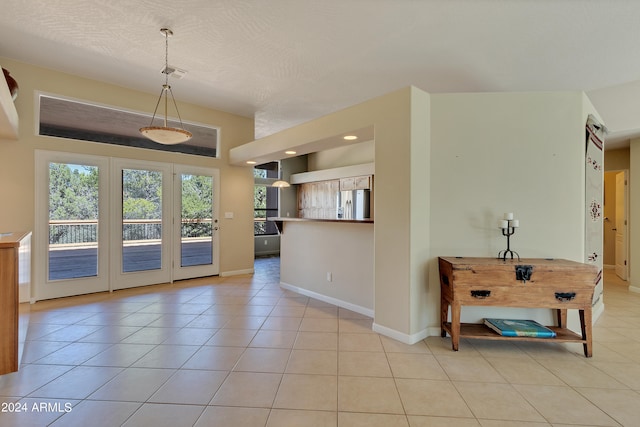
(71, 224)
(621, 225)
(195, 225)
(141, 217)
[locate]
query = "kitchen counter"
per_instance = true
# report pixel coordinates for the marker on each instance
(280, 220)
(15, 270)
(12, 239)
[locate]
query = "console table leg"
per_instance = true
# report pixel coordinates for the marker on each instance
(587, 329)
(444, 312)
(562, 318)
(455, 325)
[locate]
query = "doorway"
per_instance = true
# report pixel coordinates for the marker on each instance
(108, 223)
(616, 230)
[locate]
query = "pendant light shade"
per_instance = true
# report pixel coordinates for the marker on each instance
(166, 134)
(280, 184)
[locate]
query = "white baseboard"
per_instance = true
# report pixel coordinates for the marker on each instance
(597, 309)
(609, 267)
(340, 303)
(406, 338)
(24, 293)
(409, 339)
(634, 289)
(236, 272)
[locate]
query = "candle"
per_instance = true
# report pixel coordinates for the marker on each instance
(515, 223)
(508, 216)
(503, 223)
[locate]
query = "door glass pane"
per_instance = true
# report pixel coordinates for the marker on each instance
(196, 236)
(141, 220)
(73, 221)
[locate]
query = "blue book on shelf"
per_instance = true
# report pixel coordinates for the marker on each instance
(519, 328)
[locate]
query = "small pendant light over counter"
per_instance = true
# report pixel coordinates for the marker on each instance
(280, 184)
(165, 134)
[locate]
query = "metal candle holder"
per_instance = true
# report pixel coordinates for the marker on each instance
(508, 226)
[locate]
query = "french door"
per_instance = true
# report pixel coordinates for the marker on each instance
(141, 198)
(195, 247)
(108, 223)
(71, 225)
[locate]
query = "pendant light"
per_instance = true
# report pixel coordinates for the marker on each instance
(280, 183)
(165, 134)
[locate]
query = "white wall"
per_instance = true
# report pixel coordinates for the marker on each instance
(506, 152)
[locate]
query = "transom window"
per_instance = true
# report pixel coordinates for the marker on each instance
(82, 120)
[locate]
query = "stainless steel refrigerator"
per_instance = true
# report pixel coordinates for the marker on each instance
(354, 204)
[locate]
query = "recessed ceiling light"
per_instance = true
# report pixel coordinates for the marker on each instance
(251, 162)
(349, 137)
(289, 152)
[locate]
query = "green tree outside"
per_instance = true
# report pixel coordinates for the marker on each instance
(73, 195)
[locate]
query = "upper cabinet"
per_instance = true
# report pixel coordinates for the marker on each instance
(361, 170)
(8, 113)
(355, 183)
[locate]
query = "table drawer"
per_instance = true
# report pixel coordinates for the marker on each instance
(523, 296)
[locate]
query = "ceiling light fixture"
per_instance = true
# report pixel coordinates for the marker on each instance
(290, 152)
(165, 134)
(280, 183)
(349, 137)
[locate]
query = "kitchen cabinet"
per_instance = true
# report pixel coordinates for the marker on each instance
(318, 199)
(355, 183)
(15, 269)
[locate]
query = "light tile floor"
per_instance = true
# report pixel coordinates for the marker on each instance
(240, 351)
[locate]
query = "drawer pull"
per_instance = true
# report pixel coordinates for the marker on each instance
(565, 296)
(480, 294)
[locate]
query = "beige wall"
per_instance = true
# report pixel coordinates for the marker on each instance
(634, 207)
(17, 157)
(616, 160)
(343, 250)
(350, 155)
(447, 167)
(609, 235)
(400, 197)
(506, 152)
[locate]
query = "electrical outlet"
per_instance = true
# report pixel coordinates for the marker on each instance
(329, 276)
(265, 242)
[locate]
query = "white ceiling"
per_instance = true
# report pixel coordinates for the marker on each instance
(285, 62)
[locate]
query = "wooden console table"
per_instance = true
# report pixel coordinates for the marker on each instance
(529, 283)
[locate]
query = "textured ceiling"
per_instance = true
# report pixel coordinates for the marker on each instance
(285, 62)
